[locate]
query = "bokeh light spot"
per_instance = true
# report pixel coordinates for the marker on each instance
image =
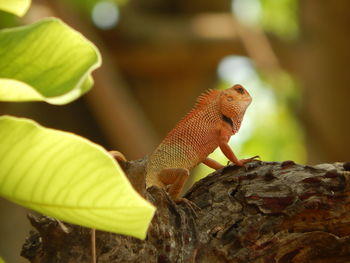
(105, 15)
(247, 11)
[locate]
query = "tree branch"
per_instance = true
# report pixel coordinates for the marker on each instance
(268, 212)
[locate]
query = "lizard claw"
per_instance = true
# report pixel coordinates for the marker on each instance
(248, 160)
(243, 162)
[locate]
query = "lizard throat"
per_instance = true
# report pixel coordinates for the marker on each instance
(227, 120)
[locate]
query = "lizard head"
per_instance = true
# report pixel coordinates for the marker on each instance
(234, 102)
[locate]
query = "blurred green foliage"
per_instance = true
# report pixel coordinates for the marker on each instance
(86, 6)
(8, 20)
(280, 17)
(17, 7)
(277, 134)
(275, 16)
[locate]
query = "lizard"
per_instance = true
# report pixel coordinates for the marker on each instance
(216, 116)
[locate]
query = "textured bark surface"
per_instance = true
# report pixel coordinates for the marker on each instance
(269, 212)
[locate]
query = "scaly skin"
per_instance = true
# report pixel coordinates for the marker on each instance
(214, 119)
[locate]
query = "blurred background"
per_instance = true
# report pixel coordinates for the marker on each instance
(159, 55)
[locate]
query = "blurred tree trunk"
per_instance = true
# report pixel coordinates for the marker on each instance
(269, 212)
(13, 229)
(322, 62)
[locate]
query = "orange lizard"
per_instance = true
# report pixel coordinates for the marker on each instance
(216, 116)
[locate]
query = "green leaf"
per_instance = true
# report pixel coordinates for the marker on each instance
(17, 7)
(46, 61)
(68, 177)
(1, 260)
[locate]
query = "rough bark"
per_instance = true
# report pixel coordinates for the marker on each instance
(266, 213)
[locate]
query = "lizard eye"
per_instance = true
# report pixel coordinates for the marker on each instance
(240, 90)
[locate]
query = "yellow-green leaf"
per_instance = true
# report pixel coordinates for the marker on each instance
(45, 61)
(68, 177)
(17, 7)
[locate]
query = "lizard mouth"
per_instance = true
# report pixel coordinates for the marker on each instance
(227, 120)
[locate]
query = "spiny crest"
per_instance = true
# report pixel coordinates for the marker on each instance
(205, 98)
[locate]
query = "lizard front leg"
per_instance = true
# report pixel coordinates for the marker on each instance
(212, 163)
(227, 151)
